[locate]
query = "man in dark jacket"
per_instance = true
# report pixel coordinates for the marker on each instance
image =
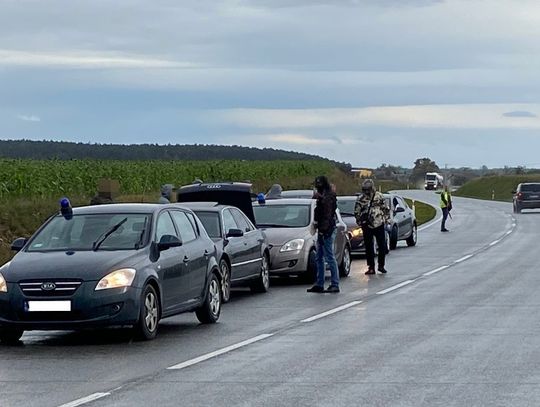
(325, 221)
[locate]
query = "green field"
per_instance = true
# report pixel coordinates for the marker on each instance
(499, 186)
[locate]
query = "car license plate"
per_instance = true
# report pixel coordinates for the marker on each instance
(49, 306)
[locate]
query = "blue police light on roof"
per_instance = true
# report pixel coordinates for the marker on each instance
(65, 208)
(261, 198)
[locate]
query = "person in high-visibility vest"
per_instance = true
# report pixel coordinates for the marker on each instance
(446, 206)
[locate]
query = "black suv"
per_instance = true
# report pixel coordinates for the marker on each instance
(527, 196)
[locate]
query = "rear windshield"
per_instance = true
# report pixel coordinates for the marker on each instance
(210, 220)
(530, 188)
(287, 216)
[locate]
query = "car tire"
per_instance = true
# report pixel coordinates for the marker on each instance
(310, 275)
(149, 312)
(413, 238)
(262, 283)
(209, 311)
(10, 336)
(393, 238)
(225, 280)
(345, 266)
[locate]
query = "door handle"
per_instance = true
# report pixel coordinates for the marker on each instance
(206, 253)
(186, 259)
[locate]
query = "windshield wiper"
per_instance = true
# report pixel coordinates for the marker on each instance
(99, 241)
(140, 241)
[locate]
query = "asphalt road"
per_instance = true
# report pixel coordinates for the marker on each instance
(453, 323)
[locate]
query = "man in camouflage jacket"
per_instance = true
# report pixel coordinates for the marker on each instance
(372, 214)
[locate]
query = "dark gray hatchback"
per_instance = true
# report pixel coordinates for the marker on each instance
(526, 196)
(122, 264)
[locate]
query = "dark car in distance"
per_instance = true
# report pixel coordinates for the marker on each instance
(121, 264)
(526, 196)
(242, 250)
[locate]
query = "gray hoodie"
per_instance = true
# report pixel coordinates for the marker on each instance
(166, 193)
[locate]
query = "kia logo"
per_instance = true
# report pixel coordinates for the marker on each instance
(48, 286)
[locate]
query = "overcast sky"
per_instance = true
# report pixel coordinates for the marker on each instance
(361, 81)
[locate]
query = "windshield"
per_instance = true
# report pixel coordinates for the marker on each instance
(431, 177)
(290, 216)
(210, 220)
(83, 231)
(346, 207)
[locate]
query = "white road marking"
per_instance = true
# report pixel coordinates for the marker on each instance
(436, 270)
(332, 311)
(84, 400)
(495, 242)
(219, 352)
(507, 233)
(395, 287)
(430, 224)
(467, 257)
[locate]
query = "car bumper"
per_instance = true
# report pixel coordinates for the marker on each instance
(357, 245)
(529, 204)
(89, 308)
(288, 263)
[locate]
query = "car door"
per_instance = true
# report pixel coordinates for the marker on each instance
(407, 217)
(399, 217)
(341, 236)
(253, 239)
(236, 247)
(170, 265)
(195, 258)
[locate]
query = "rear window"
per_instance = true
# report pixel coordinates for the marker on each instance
(286, 216)
(530, 188)
(210, 221)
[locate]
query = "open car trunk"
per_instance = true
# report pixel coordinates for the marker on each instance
(236, 194)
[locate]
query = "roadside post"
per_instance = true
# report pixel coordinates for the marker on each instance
(493, 195)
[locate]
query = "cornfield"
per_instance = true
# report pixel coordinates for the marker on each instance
(47, 178)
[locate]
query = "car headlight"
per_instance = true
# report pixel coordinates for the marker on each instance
(3, 283)
(357, 232)
(117, 279)
(292, 245)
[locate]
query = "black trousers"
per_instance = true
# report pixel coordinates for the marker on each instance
(379, 235)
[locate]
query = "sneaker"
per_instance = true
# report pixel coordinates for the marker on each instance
(332, 289)
(382, 270)
(445, 230)
(316, 289)
(371, 270)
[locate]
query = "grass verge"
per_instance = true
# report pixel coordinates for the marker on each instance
(424, 212)
(498, 188)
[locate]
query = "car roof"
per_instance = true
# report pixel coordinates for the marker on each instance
(287, 201)
(120, 208)
(207, 206)
(347, 197)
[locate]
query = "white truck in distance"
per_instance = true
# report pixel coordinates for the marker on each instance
(433, 180)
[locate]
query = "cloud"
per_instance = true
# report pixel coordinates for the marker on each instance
(28, 118)
(519, 113)
(85, 60)
(459, 116)
(299, 139)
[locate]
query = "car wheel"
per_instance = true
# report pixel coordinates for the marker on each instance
(209, 311)
(345, 266)
(393, 238)
(226, 280)
(10, 336)
(262, 284)
(310, 275)
(146, 328)
(412, 239)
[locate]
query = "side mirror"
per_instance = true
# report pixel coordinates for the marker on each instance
(168, 241)
(235, 233)
(18, 244)
(399, 209)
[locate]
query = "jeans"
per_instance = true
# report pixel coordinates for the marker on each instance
(325, 251)
(380, 235)
(444, 217)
